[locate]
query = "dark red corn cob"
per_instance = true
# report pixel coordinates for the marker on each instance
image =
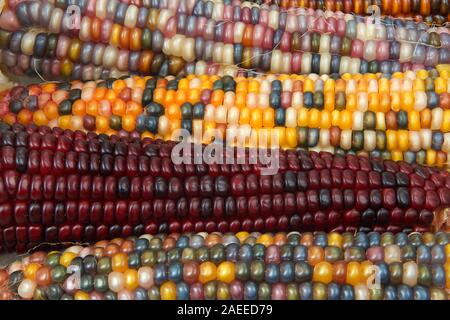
(97, 221)
(68, 152)
(268, 207)
(320, 194)
(57, 143)
(60, 186)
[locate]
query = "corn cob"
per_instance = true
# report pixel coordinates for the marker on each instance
(429, 157)
(421, 10)
(18, 146)
(123, 45)
(406, 117)
(181, 267)
(399, 8)
(163, 65)
(27, 142)
(248, 40)
(412, 91)
(97, 189)
(98, 61)
(203, 19)
(48, 224)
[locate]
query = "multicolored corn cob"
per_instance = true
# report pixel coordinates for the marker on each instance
(241, 266)
(103, 20)
(430, 11)
(356, 38)
(403, 117)
(158, 42)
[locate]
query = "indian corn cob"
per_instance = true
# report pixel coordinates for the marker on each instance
(155, 42)
(430, 11)
(238, 266)
(403, 117)
(62, 187)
